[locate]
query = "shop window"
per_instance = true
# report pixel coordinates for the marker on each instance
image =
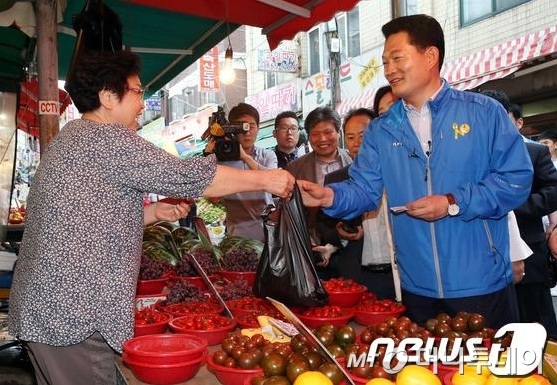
(349, 32)
(472, 11)
(276, 78)
(314, 51)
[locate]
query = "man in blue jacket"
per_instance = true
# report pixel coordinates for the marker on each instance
(456, 165)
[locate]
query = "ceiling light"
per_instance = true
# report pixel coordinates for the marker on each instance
(227, 75)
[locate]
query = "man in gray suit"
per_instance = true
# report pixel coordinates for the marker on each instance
(323, 128)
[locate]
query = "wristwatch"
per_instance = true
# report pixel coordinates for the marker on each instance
(453, 207)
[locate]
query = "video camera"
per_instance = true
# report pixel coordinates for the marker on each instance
(227, 146)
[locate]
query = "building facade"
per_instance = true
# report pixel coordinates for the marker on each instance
(508, 44)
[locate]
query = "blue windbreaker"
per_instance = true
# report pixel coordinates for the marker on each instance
(478, 155)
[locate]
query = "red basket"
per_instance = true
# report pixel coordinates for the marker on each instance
(164, 348)
(366, 318)
(346, 298)
(151, 286)
(157, 374)
(232, 376)
(213, 336)
(313, 322)
(248, 276)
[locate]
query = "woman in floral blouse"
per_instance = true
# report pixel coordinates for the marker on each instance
(72, 298)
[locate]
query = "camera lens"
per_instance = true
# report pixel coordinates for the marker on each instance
(226, 148)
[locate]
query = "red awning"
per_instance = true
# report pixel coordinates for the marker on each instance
(280, 20)
(365, 99)
(28, 111)
(496, 62)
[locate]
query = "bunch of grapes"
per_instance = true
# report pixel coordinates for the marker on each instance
(240, 259)
(180, 291)
(152, 269)
(205, 258)
(235, 289)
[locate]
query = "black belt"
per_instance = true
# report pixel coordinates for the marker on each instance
(380, 268)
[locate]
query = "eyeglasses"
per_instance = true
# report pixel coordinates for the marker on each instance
(137, 91)
(292, 129)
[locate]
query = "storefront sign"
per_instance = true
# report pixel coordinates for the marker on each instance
(277, 61)
(272, 101)
(49, 107)
(209, 71)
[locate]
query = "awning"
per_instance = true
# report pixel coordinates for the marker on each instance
(280, 20)
(496, 62)
(171, 35)
(365, 99)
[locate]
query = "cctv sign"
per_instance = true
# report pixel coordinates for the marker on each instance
(49, 107)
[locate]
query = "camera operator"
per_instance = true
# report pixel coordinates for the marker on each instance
(243, 210)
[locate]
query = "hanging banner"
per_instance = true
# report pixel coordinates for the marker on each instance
(277, 61)
(272, 101)
(209, 71)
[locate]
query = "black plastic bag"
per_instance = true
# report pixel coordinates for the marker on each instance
(286, 271)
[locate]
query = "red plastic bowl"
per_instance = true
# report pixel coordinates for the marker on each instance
(213, 336)
(182, 309)
(346, 298)
(249, 305)
(366, 318)
(154, 328)
(165, 348)
(314, 322)
(157, 374)
(198, 281)
(248, 276)
(150, 286)
(232, 376)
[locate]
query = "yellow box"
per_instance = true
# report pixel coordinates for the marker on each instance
(550, 361)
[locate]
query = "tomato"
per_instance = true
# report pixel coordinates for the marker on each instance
(342, 285)
(332, 371)
(219, 357)
(295, 368)
(476, 322)
(345, 335)
(203, 322)
(149, 316)
(274, 364)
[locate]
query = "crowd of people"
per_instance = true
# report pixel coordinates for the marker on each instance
(414, 204)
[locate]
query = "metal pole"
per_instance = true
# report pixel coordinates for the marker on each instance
(47, 60)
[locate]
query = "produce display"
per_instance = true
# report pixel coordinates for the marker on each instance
(264, 352)
(16, 215)
(344, 292)
(210, 212)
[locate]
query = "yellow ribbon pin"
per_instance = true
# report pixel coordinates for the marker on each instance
(462, 130)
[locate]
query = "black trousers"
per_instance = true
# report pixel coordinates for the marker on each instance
(498, 308)
(536, 305)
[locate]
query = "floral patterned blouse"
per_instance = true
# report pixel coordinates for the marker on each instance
(79, 260)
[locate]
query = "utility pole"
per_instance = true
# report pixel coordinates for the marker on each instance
(47, 60)
(333, 43)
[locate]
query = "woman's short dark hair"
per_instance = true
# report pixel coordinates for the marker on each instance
(322, 114)
(379, 95)
(423, 31)
(95, 71)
